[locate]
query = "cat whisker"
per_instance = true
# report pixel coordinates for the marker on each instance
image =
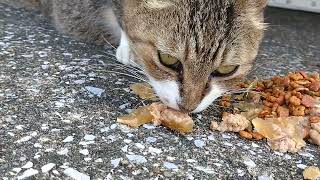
(108, 42)
(129, 75)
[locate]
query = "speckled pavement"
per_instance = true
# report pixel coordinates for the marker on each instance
(59, 99)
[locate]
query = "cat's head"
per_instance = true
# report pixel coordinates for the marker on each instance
(189, 48)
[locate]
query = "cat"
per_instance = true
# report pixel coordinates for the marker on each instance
(188, 49)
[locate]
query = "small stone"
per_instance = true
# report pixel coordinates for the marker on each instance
(28, 173)
(137, 159)
(155, 150)
(89, 137)
(17, 170)
(68, 139)
(301, 166)
(46, 168)
(99, 160)
(140, 146)
(84, 152)
(115, 162)
(151, 139)
(75, 174)
(249, 163)
(63, 151)
(28, 165)
(95, 91)
(199, 143)
(170, 165)
(24, 139)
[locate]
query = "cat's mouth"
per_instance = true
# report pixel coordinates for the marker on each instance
(169, 94)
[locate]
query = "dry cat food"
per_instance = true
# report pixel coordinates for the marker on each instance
(311, 173)
(159, 114)
(283, 110)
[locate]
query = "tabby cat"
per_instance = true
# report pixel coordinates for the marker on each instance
(187, 48)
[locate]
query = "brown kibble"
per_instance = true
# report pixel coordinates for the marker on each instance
(268, 103)
(297, 110)
(311, 173)
(295, 101)
(295, 76)
(143, 90)
(225, 104)
(272, 99)
(283, 111)
(257, 136)
(315, 86)
(308, 101)
(314, 119)
(281, 99)
(245, 134)
(304, 74)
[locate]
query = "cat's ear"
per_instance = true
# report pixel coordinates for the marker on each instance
(158, 4)
(259, 5)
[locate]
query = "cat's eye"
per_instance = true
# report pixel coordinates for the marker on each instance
(225, 70)
(168, 60)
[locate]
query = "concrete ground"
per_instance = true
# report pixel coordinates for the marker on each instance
(59, 101)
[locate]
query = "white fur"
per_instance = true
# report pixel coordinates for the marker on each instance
(215, 92)
(123, 53)
(168, 92)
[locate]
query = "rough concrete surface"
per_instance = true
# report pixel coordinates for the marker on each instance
(59, 99)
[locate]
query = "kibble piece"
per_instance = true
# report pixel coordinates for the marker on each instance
(308, 101)
(171, 118)
(283, 111)
(311, 173)
(314, 119)
(245, 134)
(137, 118)
(231, 123)
(295, 101)
(297, 110)
(144, 91)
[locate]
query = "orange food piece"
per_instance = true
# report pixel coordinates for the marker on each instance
(311, 173)
(158, 114)
(143, 90)
(137, 118)
(245, 134)
(171, 118)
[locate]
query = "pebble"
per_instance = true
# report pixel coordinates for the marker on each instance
(63, 151)
(155, 150)
(68, 139)
(249, 163)
(136, 159)
(170, 165)
(301, 166)
(28, 165)
(199, 143)
(84, 152)
(28, 173)
(151, 139)
(24, 139)
(115, 162)
(75, 174)
(46, 168)
(94, 90)
(140, 146)
(89, 137)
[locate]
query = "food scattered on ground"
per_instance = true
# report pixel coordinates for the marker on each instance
(144, 91)
(159, 114)
(283, 110)
(137, 118)
(311, 173)
(231, 122)
(279, 110)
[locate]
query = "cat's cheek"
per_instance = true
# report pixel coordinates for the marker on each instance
(168, 92)
(215, 92)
